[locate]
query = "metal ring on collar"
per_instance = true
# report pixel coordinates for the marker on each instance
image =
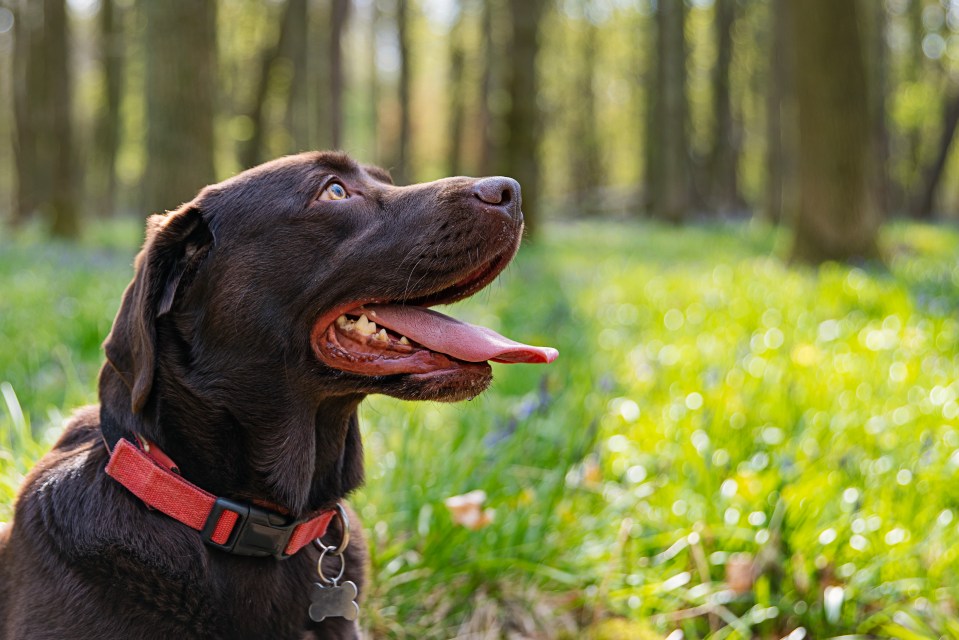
(344, 541)
(319, 568)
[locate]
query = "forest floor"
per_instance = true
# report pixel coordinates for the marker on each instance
(726, 447)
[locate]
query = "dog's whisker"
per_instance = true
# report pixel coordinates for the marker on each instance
(406, 290)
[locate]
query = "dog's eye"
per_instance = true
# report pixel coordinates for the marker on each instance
(335, 191)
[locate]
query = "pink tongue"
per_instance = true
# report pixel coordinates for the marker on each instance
(461, 340)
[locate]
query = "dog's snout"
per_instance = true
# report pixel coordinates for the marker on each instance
(501, 192)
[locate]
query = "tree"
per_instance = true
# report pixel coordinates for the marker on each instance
(46, 172)
(63, 212)
(28, 102)
(668, 163)
(373, 82)
(835, 220)
(253, 151)
(585, 164)
(180, 40)
(652, 150)
(338, 20)
(489, 81)
(781, 196)
(931, 175)
(401, 169)
(724, 158)
(876, 55)
(456, 106)
(524, 119)
(295, 48)
(108, 124)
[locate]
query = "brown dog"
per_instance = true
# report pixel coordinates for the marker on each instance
(260, 315)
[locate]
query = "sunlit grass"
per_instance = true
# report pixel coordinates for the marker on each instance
(726, 446)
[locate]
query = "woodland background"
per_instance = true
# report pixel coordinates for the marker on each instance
(680, 110)
(741, 238)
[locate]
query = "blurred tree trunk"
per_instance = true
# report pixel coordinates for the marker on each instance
(180, 87)
(373, 78)
(318, 74)
(916, 65)
(835, 220)
(455, 82)
(28, 102)
(43, 83)
(252, 151)
(931, 175)
(670, 115)
(108, 123)
(876, 55)
(338, 20)
(585, 164)
(62, 211)
(401, 169)
(652, 156)
(488, 158)
(724, 158)
(295, 47)
(781, 189)
(524, 119)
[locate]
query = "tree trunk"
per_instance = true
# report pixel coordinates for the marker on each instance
(180, 41)
(108, 123)
(915, 70)
(724, 159)
(781, 189)
(455, 83)
(524, 120)
(401, 169)
(338, 20)
(922, 208)
(585, 163)
(672, 130)
(835, 220)
(373, 89)
(652, 147)
(296, 48)
(29, 102)
(488, 159)
(319, 74)
(252, 151)
(876, 57)
(62, 210)
(45, 163)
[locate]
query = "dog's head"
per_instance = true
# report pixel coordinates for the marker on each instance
(306, 281)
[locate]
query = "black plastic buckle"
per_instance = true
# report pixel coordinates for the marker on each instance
(257, 532)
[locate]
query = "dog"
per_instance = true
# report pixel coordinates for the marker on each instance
(204, 496)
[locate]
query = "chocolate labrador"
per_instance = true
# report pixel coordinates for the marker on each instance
(203, 497)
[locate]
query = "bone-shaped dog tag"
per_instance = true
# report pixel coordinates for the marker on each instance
(334, 601)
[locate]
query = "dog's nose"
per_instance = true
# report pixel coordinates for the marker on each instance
(501, 192)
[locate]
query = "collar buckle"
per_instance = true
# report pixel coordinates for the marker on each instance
(256, 532)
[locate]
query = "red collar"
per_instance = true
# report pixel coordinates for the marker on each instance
(236, 527)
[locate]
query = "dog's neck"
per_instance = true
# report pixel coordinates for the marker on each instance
(270, 446)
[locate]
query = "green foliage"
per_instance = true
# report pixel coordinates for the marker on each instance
(726, 446)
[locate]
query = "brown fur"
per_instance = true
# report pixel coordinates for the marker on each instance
(210, 357)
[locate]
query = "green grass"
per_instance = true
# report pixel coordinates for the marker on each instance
(713, 414)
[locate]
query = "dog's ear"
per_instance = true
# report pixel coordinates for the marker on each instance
(175, 245)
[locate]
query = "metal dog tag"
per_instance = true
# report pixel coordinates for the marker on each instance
(334, 601)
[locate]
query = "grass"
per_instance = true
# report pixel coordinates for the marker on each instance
(727, 447)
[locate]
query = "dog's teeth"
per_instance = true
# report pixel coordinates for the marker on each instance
(381, 335)
(341, 322)
(404, 340)
(365, 327)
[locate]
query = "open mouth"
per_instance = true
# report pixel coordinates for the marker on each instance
(393, 337)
